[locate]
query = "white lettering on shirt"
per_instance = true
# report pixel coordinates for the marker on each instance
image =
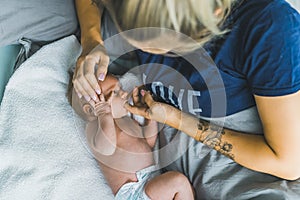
(190, 97)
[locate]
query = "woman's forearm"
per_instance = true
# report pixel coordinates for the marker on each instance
(276, 152)
(89, 16)
(251, 151)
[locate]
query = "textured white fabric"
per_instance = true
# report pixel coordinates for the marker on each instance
(295, 4)
(136, 190)
(42, 149)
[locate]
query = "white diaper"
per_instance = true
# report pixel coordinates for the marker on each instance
(136, 190)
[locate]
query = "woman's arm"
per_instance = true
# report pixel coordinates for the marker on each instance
(93, 51)
(89, 17)
(276, 153)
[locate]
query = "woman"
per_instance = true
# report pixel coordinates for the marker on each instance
(255, 45)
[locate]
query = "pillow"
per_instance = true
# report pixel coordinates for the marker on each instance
(37, 20)
(42, 143)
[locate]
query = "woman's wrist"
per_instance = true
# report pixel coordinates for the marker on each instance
(211, 135)
(172, 117)
(91, 35)
(88, 44)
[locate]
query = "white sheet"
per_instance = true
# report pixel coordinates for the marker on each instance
(42, 155)
(295, 4)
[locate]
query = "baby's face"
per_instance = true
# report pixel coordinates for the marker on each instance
(112, 90)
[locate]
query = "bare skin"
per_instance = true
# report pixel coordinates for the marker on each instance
(276, 152)
(93, 52)
(122, 147)
(275, 156)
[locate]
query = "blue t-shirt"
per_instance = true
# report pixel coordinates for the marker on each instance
(259, 55)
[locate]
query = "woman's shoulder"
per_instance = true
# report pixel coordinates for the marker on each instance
(265, 37)
(271, 43)
(264, 11)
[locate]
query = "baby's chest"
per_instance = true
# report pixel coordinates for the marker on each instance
(132, 143)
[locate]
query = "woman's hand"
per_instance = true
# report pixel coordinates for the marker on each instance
(151, 109)
(85, 78)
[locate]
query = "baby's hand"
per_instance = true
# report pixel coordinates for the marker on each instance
(102, 107)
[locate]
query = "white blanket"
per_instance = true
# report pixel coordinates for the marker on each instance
(43, 154)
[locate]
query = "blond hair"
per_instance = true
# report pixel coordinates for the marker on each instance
(198, 19)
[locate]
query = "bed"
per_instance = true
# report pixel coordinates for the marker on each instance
(44, 154)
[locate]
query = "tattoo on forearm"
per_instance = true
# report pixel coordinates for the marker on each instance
(211, 135)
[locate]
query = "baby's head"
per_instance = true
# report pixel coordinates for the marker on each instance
(114, 88)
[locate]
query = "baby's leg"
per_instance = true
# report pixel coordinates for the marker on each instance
(168, 186)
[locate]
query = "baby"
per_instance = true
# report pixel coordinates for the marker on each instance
(123, 147)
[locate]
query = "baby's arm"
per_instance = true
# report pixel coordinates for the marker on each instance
(150, 132)
(105, 138)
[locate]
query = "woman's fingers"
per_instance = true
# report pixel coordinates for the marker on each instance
(147, 98)
(135, 96)
(138, 97)
(150, 109)
(103, 61)
(81, 81)
(83, 88)
(139, 108)
(102, 99)
(102, 67)
(92, 103)
(142, 111)
(85, 78)
(89, 73)
(80, 91)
